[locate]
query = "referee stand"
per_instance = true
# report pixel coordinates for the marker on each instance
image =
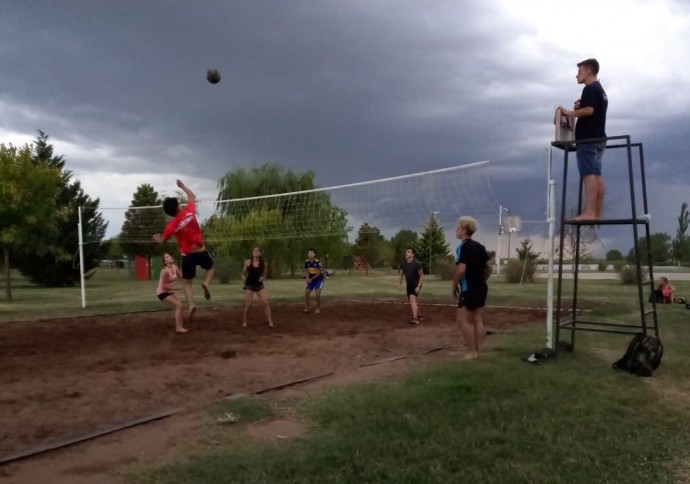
(570, 320)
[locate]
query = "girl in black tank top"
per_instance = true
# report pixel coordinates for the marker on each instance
(254, 273)
(254, 277)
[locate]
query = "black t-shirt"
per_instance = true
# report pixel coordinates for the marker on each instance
(411, 271)
(475, 257)
(594, 126)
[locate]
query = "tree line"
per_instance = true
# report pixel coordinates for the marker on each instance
(40, 210)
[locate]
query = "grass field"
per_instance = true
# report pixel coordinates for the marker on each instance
(574, 420)
(115, 291)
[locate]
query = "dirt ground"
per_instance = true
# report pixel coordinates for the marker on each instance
(67, 377)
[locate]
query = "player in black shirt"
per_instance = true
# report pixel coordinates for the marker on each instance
(474, 267)
(411, 270)
(590, 111)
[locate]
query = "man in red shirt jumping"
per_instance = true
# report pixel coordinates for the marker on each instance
(185, 227)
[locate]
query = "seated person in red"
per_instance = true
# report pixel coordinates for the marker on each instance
(666, 290)
(185, 227)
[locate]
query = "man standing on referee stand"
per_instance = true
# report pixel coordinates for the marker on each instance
(590, 111)
(411, 270)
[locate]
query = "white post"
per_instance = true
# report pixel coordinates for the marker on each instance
(551, 219)
(81, 261)
(501, 209)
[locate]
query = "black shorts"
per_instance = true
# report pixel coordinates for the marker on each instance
(190, 261)
(411, 291)
(254, 287)
(164, 295)
(474, 298)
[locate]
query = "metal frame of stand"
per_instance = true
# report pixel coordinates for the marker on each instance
(573, 321)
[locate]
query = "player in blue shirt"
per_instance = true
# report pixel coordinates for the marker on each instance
(315, 275)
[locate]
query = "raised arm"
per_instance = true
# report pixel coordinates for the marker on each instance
(187, 191)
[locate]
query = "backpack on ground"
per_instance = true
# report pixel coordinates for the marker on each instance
(656, 296)
(642, 357)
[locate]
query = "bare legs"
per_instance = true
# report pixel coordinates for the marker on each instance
(472, 327)
(318, 301)
(179, 321)
(317, 293)
(307, 293)
(189, 296)
(414, 306)
(263, 298)
(594, 198)
(207, 281)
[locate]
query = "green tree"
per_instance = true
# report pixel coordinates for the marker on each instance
(60, 267)
(660, 247)
(284, 226)
(399, 243)
(614, 255)
(369, 244)
(680, 247)
(526, 251)
(113, 249)
(140, 225)
(432, 244)
(28, 211)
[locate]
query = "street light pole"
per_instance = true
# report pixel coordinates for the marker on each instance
(433, 214)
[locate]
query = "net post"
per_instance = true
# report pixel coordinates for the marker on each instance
(549, 281)
(81, 259)
(551, 239)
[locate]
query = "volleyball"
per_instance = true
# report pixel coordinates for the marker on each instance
(213, 76)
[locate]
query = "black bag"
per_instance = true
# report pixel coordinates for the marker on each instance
(642, 357)
(656, 296)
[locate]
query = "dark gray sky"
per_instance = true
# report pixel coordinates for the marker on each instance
(353, 90)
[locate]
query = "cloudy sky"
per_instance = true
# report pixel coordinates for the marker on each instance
(353, 90)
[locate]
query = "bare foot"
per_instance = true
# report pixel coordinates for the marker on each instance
(305, 310)
(181, 330)
(318, 311)
(244, 324)
(270, 324)
(586, 216)
(192, 312)
(471, 356)
(207, 293)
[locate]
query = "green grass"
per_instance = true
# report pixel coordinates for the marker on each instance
(494, 420)
(574, 420)
(115, 291)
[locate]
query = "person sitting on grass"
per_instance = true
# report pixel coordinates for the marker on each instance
(166, 291)
(666, 290)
